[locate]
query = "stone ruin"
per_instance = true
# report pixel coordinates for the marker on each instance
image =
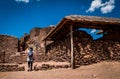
(86, 49)
(13, 50)
(78, 47)
(8, 46)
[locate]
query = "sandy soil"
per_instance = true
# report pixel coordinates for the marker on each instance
(103, 70)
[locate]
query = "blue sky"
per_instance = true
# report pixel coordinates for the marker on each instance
(20, 16)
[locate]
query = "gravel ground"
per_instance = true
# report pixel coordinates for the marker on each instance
(102, 70)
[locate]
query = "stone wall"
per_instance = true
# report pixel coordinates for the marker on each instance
(8, 47)
(23, 42)
(34, 39)
(86, 49)
(13, 50)
(59, 50)
(97, 51)
(11, 67)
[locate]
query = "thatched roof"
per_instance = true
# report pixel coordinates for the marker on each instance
(62, 29)
(92, 18)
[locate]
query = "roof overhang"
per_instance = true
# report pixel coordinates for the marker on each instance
(82, 22)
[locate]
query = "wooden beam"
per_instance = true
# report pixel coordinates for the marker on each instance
(72, 51)
(53, 31)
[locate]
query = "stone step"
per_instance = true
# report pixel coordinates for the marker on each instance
(11, 67)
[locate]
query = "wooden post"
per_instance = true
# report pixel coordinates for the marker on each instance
(45, 47)
(72, 52)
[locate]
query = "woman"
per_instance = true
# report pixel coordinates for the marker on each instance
(30, 59)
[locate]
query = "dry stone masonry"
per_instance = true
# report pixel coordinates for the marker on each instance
(86, 49)
(8, 46)
(13, 50)
(11, 67)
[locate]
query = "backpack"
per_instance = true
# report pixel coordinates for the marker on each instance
(30, 55)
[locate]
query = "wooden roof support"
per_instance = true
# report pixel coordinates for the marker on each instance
(55, 29)
(83, 22)
(72, 51)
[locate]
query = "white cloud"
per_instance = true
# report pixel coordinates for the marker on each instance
(25, 1)
(94, 5)
(93, 31)
(106, 7)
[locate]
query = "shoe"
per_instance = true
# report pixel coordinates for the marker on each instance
(28, 69)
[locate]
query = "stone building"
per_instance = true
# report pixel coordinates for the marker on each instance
(75, 46)
(66, 42)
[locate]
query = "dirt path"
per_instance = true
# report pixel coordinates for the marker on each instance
(103, 70)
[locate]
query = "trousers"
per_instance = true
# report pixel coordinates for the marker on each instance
(30, 64)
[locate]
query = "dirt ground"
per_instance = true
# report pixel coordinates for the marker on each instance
(102, 70)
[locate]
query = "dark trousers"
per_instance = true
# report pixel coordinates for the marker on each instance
(30, 64)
